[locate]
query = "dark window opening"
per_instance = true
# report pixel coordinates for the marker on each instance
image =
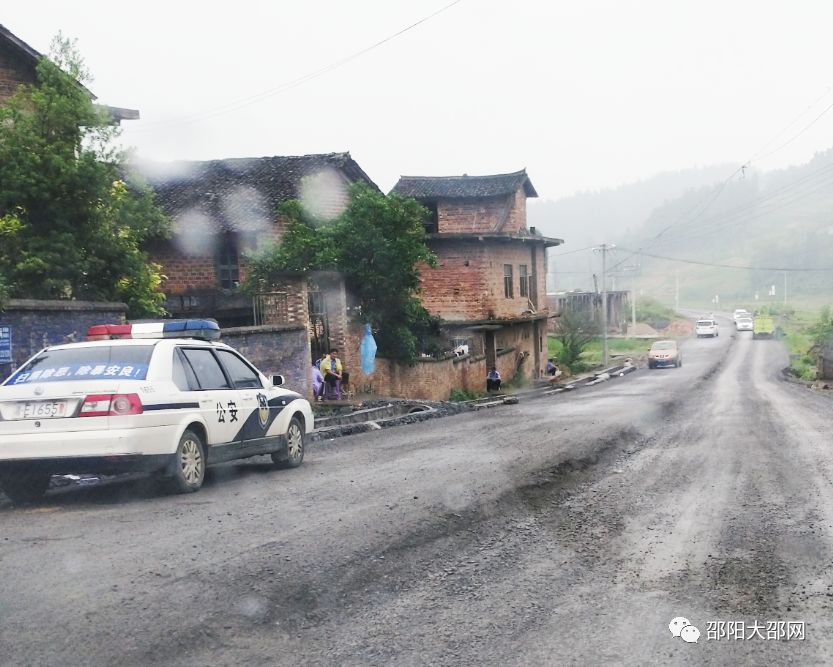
(228, 263)
(432, 222)
(524, 280)
(508, 287)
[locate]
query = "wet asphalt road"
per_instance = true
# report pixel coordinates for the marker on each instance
(564, 530)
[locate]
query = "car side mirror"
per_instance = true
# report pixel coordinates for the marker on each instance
(278, 380)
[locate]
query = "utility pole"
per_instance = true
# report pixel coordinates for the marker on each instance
(677, 290)
(604, 248)
(785, 288)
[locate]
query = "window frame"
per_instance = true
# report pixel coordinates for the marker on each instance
(229, 383)
(508, 285)
(523, 281)
(219, 354)
(228, 250)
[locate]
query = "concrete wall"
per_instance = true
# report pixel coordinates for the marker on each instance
(276, 349)
(36, 324)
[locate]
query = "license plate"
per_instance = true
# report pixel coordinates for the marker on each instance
(42, 409)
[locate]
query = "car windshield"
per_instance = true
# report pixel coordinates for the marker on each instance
(123, 362)
(705, 323)
(664, 345)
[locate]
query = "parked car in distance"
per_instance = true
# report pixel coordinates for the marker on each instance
(164, 398)
(743, 324)
(665, 353)
(706, 328)
(741, 313)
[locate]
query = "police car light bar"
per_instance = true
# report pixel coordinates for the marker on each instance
(202, 329)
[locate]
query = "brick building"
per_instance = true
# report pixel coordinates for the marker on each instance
(489, 285)
(18, 62)
(224, 209)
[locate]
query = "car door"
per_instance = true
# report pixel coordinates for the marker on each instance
(218, 403)
(252, 399)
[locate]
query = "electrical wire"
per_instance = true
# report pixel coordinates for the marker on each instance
(735, 266)
(288, 85)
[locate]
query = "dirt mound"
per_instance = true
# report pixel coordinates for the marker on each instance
(642, 329)
(679, 328)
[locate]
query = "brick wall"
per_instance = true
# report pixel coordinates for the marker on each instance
(276, 349)
(36, 324)
(13, 72)
(468, 282)
(466, 216)
(430, 379)
(516, 223)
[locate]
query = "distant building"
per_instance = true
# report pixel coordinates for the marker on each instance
(589, 305)
(489, 285)
(18, 62)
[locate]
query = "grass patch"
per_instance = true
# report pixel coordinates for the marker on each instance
(592, 355)
(459, 395)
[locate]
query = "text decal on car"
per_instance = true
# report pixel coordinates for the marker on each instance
(81, 372)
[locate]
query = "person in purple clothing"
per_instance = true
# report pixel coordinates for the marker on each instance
(317, 382)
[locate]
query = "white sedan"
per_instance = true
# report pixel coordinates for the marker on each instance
(163, 398)
(706, 327)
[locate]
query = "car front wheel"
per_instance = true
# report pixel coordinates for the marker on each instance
(24, 487)
(294, 455)
(187, 470)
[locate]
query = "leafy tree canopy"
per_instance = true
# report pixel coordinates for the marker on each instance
(70, 226)
(377, 244)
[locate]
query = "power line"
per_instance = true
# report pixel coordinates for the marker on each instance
(734, 266)
(571, 252)
(720, 188)
(288, 85)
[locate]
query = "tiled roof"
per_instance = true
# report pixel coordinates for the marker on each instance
(240, 194)
(463, 187)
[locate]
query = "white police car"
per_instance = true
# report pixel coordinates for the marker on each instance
(164, 397)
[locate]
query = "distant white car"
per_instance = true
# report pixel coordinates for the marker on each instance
(740, 313)
(706, 328)
(743, 324)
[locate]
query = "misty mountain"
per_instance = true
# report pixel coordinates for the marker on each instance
(765, 219)
(770, 220)
(594, 217)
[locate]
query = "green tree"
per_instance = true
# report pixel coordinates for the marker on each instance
(378, 244)
(70, 226)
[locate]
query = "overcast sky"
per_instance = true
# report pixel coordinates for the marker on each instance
(584, 94)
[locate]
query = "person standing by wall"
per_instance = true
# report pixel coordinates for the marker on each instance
(332, 369)
(493, 380)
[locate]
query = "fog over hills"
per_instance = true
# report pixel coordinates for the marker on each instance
(714, 215)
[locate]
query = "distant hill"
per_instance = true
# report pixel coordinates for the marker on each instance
(589, 218)
(781, 218)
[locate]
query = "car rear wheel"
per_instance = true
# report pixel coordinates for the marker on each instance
(187, 469)
(294, 455)
(24, 487)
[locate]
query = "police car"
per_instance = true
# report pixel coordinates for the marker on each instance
(166, 398)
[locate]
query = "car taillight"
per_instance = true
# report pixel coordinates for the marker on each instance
(115, 405)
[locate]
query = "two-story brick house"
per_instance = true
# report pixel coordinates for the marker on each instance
(18, 63)
(489, 285)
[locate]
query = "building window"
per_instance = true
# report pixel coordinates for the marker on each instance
(432, 223)
(228, 263)
(508, 288)
(523, 277)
